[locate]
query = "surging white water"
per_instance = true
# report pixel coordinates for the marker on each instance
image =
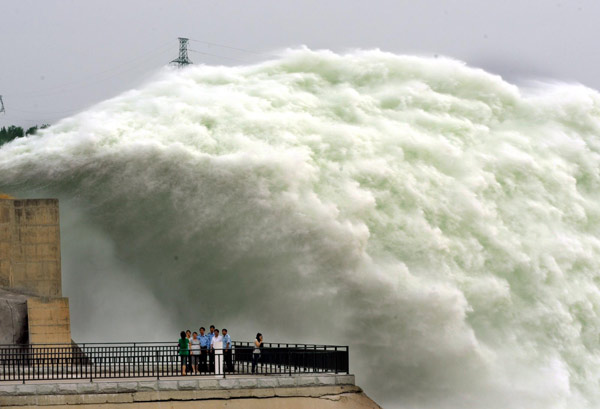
(442, 222)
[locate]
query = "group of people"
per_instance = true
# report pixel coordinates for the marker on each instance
(197, 351)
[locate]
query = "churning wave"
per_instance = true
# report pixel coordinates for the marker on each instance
(440, 221)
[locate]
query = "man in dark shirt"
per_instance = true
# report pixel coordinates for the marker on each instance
(204, 346)
(227, 351)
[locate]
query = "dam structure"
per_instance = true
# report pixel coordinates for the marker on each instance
(32, 308)
(40, 366)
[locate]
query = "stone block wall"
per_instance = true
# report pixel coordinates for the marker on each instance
(13, 318)
(48, 320)
(30, 247)
(30, 268)
(6, 232)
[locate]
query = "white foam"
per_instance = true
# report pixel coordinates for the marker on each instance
(419, 205)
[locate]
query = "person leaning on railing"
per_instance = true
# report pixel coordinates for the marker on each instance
(184, 351)
(258, 342)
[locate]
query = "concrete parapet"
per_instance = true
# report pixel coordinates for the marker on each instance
(169, 385)
(67, 389)
(288, 381)
(268, 383)
(107, 387)
(345, 380)
(307, 380)
(328, 387)
(8, 390)
(326, 380)
(230, 383)
(87, 387)
(248, 383)
(187, 385)
(128, 387)
(47, 389)
(27, 390)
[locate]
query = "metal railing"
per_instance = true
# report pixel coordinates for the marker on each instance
(162, 359)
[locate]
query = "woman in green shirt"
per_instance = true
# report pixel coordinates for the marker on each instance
(184, 350)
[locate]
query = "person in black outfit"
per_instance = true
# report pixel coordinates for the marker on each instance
(258, 343)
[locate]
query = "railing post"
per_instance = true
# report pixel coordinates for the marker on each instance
(23, 367)
(348, 359)
(90, 362)
(304, 358)
(335, 358)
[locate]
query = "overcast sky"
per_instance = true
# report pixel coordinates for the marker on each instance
(60, 56)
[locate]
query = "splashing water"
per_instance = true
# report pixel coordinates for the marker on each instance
(440, 221)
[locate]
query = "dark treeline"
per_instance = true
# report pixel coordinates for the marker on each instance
(9, 133)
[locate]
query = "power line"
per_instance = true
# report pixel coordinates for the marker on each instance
(231, 48)
(68, 111)
(84, 82)
(38, 119)
(119, 69)
(80, 85)
(217, 56)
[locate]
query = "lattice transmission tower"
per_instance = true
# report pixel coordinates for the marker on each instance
(183, 59)
(2, 105)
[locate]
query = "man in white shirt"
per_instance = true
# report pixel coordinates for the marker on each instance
(216, 346)
(211, 353)
(216, 338)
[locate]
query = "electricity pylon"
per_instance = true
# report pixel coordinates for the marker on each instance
(183, 59)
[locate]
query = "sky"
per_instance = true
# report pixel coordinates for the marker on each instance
(59, 57)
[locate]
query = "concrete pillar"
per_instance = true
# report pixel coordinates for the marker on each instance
(49, 321)
(6, 240)
(30, 265)
(35, 248)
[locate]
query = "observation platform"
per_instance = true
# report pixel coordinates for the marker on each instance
(148, 375)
